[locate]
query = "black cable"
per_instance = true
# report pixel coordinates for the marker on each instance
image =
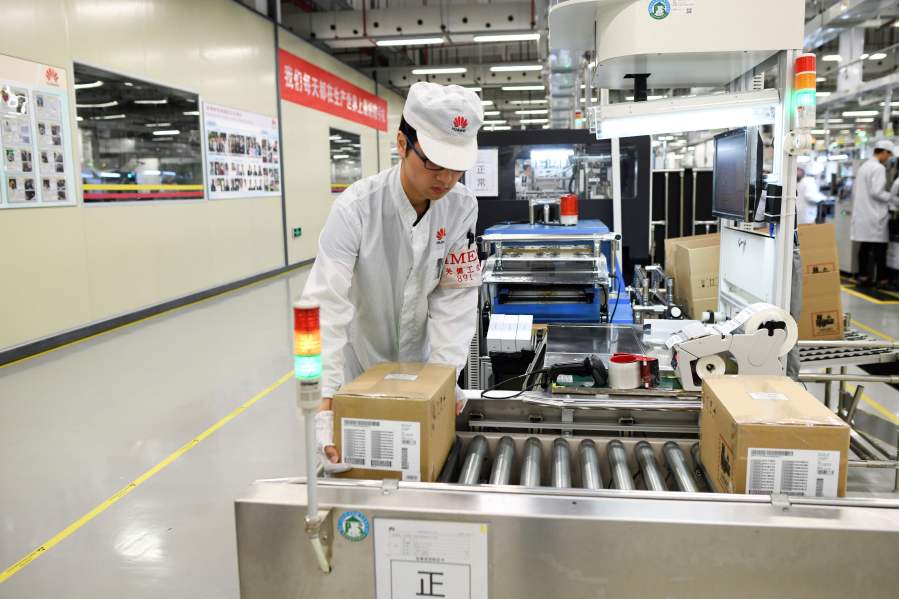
(520, 376)
(617, 296)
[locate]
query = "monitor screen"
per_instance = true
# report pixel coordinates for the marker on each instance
(731, 180)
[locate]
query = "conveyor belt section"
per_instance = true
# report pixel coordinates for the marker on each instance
(575, 462)
(827, 356)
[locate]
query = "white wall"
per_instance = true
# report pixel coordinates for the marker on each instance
(307, 167)
(66, 267)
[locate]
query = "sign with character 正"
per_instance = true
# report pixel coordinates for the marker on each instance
(422, 558)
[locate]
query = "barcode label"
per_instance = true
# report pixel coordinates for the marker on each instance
(769, 396)
(382, 445)
(794, 472)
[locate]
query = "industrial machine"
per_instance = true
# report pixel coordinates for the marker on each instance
(580, 491)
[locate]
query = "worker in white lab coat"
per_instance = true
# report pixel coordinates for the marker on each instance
(397, 271)
(807, 198)
(871, 203)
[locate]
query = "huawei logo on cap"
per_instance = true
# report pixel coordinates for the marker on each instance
(460, 124)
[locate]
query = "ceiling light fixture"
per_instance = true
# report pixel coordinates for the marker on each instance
(88, 85)
(523, 88)
(439, 71)
(167, 132)
(510, 68)
(528, 101)
(486, 102)
(535, 111)
(491, 113)
(411, 41)
(860, 113)
(533, 121)
(163, 101)
(496, 122)
(507, 37)
(108, 117)
(832, 58)
(99, 105)
(191, 113)
(877, 56)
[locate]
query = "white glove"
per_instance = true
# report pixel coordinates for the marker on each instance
(324, 437)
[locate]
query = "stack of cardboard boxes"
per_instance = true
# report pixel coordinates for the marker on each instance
(693, 263)
(822, 307)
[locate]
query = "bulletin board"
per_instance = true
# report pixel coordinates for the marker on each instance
(243, 155)
(35, 145)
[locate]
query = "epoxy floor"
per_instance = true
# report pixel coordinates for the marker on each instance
(79, 423)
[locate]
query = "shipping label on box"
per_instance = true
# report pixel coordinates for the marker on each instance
(820, 268)
(805, 473)
(826, 323)
(382, 445)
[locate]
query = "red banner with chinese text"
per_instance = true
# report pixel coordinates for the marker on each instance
(303, 83)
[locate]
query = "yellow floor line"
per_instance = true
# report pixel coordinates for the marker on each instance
(862, 296)
(871, 330)
(74, 526)
(164, 312)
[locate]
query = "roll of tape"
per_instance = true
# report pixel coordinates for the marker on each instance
(624, 372)
(710, 366)
(762, 313)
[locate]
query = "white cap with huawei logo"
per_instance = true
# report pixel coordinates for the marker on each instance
(447, 119)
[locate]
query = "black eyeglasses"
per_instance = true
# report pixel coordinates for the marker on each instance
(426, 161)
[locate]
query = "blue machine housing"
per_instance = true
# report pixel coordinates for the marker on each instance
(562, 312)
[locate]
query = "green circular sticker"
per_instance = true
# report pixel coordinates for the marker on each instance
(353, 526)
(659, 9)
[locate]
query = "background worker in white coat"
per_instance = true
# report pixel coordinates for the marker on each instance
(807, 198)
(870, 215)
(397, 273)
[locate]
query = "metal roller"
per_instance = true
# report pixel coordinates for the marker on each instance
(561, 465)
(621, 473)
(502, 464)
(530, 464)
(677, 465)
(646, 457)
(588, 457)
(698, 467)
(475, 456)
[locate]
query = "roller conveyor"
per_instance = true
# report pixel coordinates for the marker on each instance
(502, 465)
(561, 465)
(649, 468)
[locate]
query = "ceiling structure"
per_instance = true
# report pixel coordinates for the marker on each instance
(501, 49)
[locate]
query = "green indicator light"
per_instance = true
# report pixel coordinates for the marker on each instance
(307, 367)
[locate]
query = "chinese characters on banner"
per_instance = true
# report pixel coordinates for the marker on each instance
(243, 159)
(303, 83)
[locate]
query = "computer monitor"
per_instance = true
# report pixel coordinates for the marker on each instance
(737, 179)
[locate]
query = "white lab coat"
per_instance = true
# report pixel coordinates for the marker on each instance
(376, 279)
(807, 197)
(870, 204)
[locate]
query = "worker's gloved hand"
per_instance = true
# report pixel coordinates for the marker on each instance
(324, 440)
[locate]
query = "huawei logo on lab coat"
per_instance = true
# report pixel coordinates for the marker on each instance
(441, 235)
(460, 124)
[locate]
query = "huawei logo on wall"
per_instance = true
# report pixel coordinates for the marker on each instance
(460, 124)
(52, 76)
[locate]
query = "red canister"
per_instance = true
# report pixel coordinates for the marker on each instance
(568, 209)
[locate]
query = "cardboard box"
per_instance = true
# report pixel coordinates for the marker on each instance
(822, 305)
(696, 278)
(694, 241)
(397, 420)
(767, 434)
